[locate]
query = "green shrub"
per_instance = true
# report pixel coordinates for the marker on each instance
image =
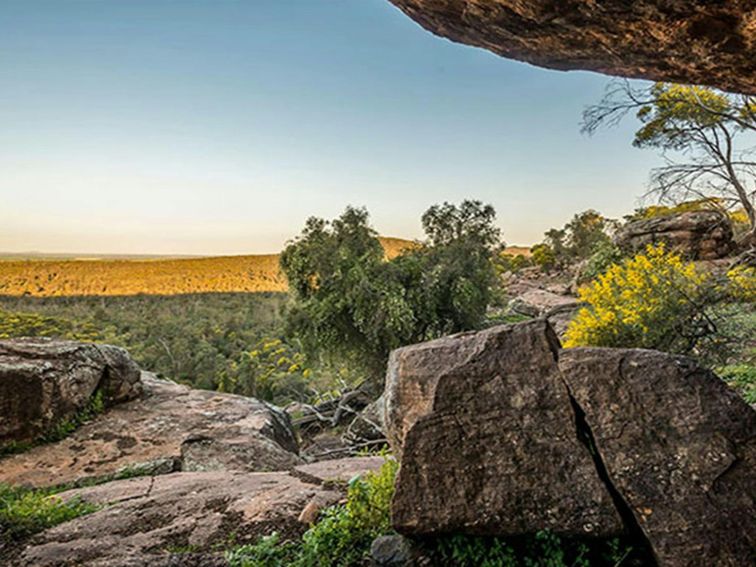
(543, 549)
(543, 256)
(341, 537)
(742, 377)
(24, 512)
(604, 255)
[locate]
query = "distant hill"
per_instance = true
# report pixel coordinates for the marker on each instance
(56, 276)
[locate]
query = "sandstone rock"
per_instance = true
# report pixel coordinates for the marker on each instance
(538, 302)
(678, 445)
(45, 382)
(143, 519)
(699, 235)
(708, 43)
(488, 439)
(173, 426)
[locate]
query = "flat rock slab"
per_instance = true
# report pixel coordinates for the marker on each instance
(44, 382)
(678, 445)
(147, 520)
(170, 427)
(488, 439)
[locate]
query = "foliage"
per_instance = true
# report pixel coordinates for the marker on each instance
(24, 512)
(341, 537)
(650, 301)
(605, 254)
(192, 339)
(742, 377)
(352, 303)
(543, 255)
(511, 262)
(585, 233)
(655, 300)
(35, 325)
(543, 549)
(699, 131)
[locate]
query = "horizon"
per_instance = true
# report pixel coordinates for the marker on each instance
(217, 129)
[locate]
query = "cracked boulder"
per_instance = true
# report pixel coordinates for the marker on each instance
(188, 518)
(488, 442)
(168, 428)
(688, 41)
(678, 445)
(502, 433)
(45, 382)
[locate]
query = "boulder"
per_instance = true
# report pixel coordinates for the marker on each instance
(502, 433)
(538, 302)
(155, 520)
(688, 41)
(698, 235)
(487, 436)
(170, 427)
(45, 382)
(679, 447)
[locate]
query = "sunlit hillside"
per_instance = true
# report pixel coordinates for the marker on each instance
(58, 277)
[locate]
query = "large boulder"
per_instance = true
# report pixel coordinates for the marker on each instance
(698, 235)
(169, 428)
(503, 433)
(688, 41)
(157, 520)
(679, 447)
(487, 436)
(45, 382)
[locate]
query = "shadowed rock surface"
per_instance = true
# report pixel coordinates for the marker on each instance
(44, 382)
(679, 446)
(170, 427)
(699, 235)
(496, 429)
(487, 434)
(150, 520)
(688, 41)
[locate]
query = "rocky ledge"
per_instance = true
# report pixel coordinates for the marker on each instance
(687, 41)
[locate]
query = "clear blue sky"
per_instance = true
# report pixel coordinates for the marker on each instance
(218, 126)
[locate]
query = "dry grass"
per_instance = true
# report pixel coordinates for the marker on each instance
(56, 278)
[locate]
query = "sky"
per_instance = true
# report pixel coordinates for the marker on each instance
(218, 126)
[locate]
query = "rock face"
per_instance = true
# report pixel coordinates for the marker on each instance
(699, 235)
(502, 433)
(155, 520)
(170, 427)
(678, 445)
(688, 41)
(486, 430)
(45, 382)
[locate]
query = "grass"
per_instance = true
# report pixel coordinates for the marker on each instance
(24, 512)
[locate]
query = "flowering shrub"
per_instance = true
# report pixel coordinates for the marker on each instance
(653, 300)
